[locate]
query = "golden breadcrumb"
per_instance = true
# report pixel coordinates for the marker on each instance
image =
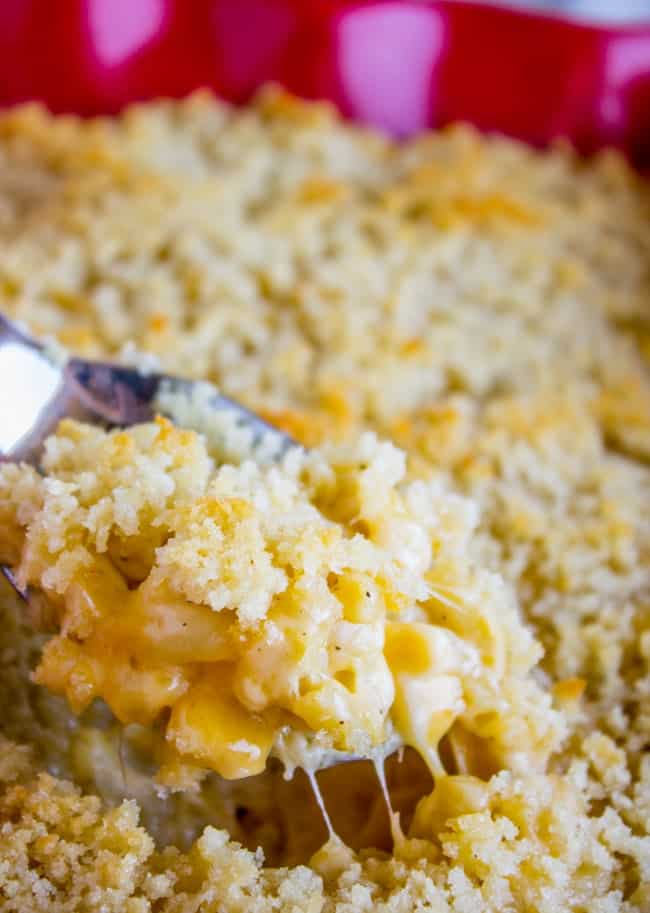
(483, 306)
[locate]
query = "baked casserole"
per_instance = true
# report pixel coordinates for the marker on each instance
(456, 566)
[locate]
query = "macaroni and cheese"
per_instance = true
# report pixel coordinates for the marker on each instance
(456, 327)
(321, 604)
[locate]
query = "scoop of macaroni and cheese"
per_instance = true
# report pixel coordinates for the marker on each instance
(321, 604)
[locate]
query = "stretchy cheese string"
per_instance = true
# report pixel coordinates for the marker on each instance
(311, 774)
(378, 761)
(396, 831)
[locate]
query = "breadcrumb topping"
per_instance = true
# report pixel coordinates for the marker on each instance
(481, 305)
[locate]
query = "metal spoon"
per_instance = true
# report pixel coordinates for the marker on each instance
(37, 390)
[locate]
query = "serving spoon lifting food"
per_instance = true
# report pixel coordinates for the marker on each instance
(39, 388)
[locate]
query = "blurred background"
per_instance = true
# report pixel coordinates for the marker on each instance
(582, 73)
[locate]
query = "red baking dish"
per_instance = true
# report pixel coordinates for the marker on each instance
(399, 64)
